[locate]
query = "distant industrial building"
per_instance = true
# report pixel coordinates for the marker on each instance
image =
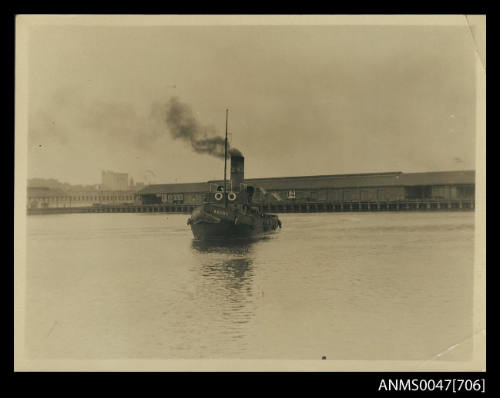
(47, 198)
(135, 186)
(112, 181)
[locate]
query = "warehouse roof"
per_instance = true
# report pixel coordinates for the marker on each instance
(439, 177)
(365, 180)
(175, 188)
(332, 181)
(44, 192)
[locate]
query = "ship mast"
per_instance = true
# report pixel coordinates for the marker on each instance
(225, 163)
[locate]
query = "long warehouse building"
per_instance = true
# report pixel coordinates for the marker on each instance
(285, 193)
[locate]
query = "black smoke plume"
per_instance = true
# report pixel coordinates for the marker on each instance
(183, 125)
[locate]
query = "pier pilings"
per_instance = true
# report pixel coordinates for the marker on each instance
(319, 207)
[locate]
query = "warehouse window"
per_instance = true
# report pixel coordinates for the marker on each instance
(465, 191)
(175, 198)
(368, 194)
(322, 195)
(440, 192)
(351, 194)
(419, 192)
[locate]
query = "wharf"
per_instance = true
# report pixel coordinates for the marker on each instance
(322, 207)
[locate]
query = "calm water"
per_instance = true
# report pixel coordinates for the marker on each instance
(345, 285)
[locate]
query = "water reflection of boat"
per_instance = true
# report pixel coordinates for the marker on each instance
(236, 272)
(232, 246)
(229, 260)
(227, 271)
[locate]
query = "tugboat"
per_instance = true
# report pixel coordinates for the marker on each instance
(229, 211)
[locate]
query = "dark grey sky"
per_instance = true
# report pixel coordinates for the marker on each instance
(303, 100)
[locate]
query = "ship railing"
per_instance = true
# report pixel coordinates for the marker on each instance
(229, 187)
(214, 187)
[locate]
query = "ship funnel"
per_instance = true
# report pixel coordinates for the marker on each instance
(237, 171)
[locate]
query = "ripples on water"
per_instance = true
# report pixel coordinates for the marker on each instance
(345, 285)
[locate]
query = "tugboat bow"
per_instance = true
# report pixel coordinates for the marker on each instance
(231, 214)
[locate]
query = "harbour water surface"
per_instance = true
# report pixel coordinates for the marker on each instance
(394, 286)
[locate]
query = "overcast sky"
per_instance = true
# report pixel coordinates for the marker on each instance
(302, 100)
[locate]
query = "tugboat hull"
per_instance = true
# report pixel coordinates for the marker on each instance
(223, 230)
(211, 222)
